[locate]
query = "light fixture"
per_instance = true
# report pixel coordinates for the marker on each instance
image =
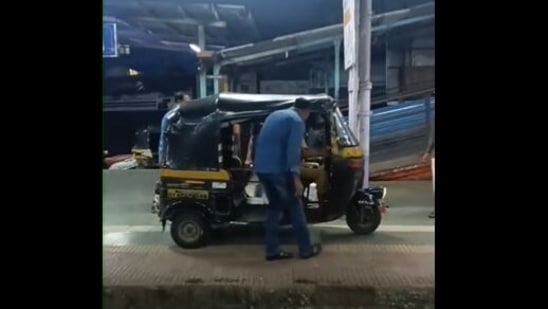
(195, 48)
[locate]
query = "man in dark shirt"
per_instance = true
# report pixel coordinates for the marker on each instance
(277, 164)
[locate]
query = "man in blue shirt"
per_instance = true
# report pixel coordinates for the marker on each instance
(180, 99)
(277, 164)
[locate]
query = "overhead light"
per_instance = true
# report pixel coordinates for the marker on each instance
(133, 72)
(195, 48)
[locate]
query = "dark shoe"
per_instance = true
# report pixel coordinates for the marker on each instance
(283, 255)
(432, 215)
(316, 249)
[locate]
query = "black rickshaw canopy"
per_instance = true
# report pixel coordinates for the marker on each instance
(243, 105)
(194, 129)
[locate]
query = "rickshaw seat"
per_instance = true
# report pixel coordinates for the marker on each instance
(240, 177)
(312, 165)
(315, 172)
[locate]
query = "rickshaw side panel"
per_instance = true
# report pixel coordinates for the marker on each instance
(204, 191)
(346, 167)
(345, 180)
(190, 175)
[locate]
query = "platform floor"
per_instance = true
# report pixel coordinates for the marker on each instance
(400, 255)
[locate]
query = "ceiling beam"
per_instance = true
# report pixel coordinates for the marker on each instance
(183, 21)
(125, 35)
(214, 10)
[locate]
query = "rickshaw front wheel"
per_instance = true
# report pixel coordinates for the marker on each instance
(190, 230)
(363, 220)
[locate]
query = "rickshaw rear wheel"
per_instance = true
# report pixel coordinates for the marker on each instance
(190, 230)
(363, 221)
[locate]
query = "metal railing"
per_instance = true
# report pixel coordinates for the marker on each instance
(402, 120)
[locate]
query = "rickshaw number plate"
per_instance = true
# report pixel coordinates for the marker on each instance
(189, 194)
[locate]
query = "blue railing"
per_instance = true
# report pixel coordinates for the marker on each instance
(406, 119)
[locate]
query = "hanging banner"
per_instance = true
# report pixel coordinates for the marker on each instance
(349, 23)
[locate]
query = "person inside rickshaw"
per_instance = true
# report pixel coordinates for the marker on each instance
(315, 150)
(255, 128)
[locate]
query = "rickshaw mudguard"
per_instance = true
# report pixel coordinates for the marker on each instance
(362, 197)
(365, 198)
(173, 208)
(352, 153)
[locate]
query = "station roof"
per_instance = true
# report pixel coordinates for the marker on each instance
(171, 24)
(323, 37)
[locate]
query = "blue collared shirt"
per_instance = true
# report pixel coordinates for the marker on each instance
(162, 144)
(279, 143)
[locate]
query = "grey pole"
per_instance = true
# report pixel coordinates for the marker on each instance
(337, 69)
(364, 92)
(201, 43)
(352, 43)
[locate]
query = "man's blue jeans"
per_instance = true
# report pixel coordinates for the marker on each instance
(279, 189)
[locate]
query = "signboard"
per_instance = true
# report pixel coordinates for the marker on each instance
(110, 40)
(349, 23)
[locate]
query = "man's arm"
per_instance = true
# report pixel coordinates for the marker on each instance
(249, 155)
(296, 136)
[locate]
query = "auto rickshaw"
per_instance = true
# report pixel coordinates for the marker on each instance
(206, 186)
(141, 155)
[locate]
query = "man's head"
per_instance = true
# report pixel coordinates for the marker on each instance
(303, 107)
(316, 122)
(182, 97)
